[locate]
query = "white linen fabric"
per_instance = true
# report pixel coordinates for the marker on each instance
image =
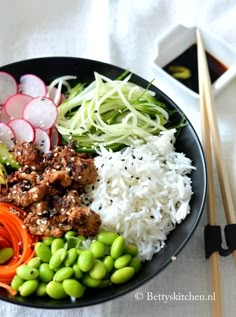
(123, 32)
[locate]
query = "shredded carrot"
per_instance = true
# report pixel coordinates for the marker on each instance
(8, 288)
(14, 231)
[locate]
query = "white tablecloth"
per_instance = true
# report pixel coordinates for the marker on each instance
(123, 32)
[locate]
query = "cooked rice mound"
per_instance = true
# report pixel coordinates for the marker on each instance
(143, 191)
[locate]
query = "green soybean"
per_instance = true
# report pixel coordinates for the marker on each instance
(43, 251)
(73, 288)
(16, 282)
(131, 249)
(136, 264)
(109, 263)
(77, 272)
(27, 273)
(117, 247)
(98, 249)
(86, 260)
(48, 241)
(122, 261)
(41, 289)
(5, 255)
(57, 258)
(107, 237)
(90, 281)
(63, 274)
(98, 271)
(45, 273)
(55, 290)
(28, 288)
(57, 244)
(34, 262)
(71, 257)
(122, 275)
(69, 234)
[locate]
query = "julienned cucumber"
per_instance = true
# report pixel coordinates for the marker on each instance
(6, 158)
(111, 113)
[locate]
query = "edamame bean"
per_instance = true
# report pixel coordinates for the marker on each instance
(98, 249)
(77, 271)
(5, 254)
(45, 273)
(55, 290)
(86, 261)
(48, 241)
(28, 288)
(136, 264)
(131, 249)
(73, 288)
(34, 262)
(122, 275)
(57, 244)
(74, 242)
(57, 258)
(63, 274)
(27, 273)
(98, 271)
(71, 257)
(41, 289)
(16, 282)
(43, 251)
(122, 261)
(90, 281)
(107, 237)
(109, 263)
(117, 247)
(69, 234)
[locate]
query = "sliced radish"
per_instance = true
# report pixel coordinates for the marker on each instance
(4, 117)
(42, 140)
(8, 86)
(32, 85)
(7, 136)
(23, 130)
(41, 112)
(15, 105)
(54, 136)
(54, 94)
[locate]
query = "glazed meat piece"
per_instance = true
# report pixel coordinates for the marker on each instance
(81, 219)
(61, 178)
(21, 195)
(86, 221)
(54, 226)
(83, 171)
(66, 203)
(26, 154)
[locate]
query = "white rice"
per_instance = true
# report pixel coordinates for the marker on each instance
(142, 192)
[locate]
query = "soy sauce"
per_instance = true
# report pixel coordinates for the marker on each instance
(188, 59)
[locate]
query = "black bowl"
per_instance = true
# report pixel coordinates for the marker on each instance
(187, 142)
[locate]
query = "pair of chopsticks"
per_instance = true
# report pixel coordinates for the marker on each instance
(211, 141)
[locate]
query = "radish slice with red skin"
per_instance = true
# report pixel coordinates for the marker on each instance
(32, 85)
(42, 140)
(41, 112)
(23, 130)
(8, 86)
(7, 135)
(4, 117)
(15, 105)
(55, 137)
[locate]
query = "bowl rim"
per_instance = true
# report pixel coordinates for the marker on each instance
(76, 305)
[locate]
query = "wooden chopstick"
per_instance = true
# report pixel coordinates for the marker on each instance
(210, 113)
(211, 208)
